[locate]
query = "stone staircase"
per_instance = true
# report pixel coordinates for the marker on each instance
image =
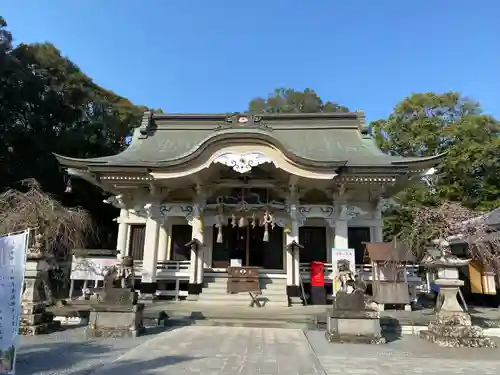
(215, 292)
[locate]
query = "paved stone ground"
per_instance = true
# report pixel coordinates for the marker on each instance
(243, 351)
(409, 355)
(69, 352)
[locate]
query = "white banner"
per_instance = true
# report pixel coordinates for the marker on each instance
(13, 249)
(337, 255)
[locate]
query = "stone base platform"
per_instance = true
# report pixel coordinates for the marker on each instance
(34, 320)
(351, 339)
(116, 321)
(457, 342)
(39, 329)
(345, 326)
(454, 330)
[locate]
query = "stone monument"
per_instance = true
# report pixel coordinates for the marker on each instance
(34, 320)
(452, 327)
(350, 320)
(116, 312)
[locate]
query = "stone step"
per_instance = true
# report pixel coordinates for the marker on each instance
(263, 291)
(240, 297)
(264, 282)
(224, 285)
(280, 287)
(238, 322)
(251, 323)
(237, 303)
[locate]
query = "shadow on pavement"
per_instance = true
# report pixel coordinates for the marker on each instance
(391, 328)
(63, 357)
(70, 349)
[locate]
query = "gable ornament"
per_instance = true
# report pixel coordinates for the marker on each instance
(242, 163)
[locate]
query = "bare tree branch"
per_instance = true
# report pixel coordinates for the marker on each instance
(62, 228)
(453, 221)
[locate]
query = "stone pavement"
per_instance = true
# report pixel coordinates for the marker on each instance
(69, 353)
(244, 351)
(408, 355)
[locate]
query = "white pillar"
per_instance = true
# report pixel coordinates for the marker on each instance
(121, 242)
(129, 236)
(289, 260)
(149, 263)
(199, 265)
(340, 241)
(163, 242)
(378, 233)
(196, 265)
(378, 228)
(207, 251)
(292, 255)
(296, 255)
(330, 239)
(192, 267)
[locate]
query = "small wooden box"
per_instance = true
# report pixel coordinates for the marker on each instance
(243, 279)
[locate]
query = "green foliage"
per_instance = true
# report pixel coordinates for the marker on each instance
(427, 124)
(292, 101)
(48, 105)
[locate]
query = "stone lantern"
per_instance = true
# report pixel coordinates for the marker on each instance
(34, 319)
(453, 326)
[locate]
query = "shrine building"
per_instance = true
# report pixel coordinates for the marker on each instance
(243, 187)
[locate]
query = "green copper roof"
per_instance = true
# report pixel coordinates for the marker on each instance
(315, 140)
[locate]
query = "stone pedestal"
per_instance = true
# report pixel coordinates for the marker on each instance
(452, 327)
(350, 322)
(117, 314)
(34, 319)
(116, 321)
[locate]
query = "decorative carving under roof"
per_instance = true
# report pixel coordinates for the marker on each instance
(242, 163)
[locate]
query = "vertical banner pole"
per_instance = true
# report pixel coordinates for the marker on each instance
(13, 254)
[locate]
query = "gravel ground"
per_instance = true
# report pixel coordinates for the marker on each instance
(69, 352)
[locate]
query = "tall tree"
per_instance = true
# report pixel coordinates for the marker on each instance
(47, 104)
(292, 101)
(428, 123)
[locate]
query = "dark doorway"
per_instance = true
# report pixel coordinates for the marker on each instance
(181, 235)
(232, 246)
(137, 239)
(268, 255)
(247, 244)
(314, 241)
(355, 238)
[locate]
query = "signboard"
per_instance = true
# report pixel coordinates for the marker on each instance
(341, 254)
(83, 268)
(12, 265)
(236, 263)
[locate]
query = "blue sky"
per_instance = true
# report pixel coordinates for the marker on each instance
(214, 56)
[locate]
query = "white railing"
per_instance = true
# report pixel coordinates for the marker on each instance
(363, 269)
(170, 270)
